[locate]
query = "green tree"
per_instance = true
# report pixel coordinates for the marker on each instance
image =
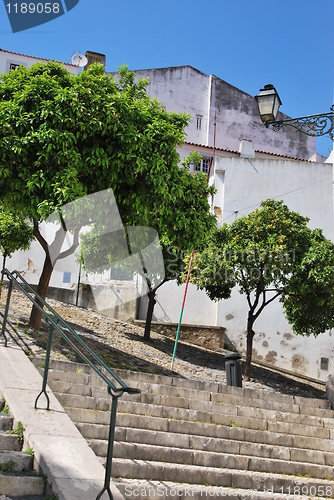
(63, 137)
(271, 254)
(15, 234)
(191, 206)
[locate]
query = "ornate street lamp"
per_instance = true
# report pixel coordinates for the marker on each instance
(268, 102)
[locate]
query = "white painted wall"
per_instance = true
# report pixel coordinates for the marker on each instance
(306, 188)
(186, 89)
(7, 58)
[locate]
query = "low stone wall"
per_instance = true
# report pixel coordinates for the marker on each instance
(104, 294)
(210, 337)
(330, 389)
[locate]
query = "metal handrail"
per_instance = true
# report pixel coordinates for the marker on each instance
(59, 324)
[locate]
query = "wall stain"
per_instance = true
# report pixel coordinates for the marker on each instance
(228, 317)
(256, 355)
(271, 357)
(288, 336)
(299, 363)
(265, 344)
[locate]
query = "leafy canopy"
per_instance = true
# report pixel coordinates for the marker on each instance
(64, 136)
(15, 233)
(268, 254)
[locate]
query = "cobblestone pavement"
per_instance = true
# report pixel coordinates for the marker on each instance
(120, 344)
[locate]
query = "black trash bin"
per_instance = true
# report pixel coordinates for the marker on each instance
(233, 369)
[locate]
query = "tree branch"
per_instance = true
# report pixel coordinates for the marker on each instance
(73, 247)
(40, 238)
(247, 292)
(264, 304)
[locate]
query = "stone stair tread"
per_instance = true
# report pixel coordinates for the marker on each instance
(265, 423)
(20, 460)
(201, 429)
(9, 442)
(279, 412)
(222, 477)
(21, 485)
(209, 460)
(166, 490)
(202, 443)
(6, 422)
(178, 382)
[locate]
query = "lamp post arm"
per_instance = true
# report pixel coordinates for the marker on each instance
(313, 125)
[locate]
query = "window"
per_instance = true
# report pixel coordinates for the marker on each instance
(13, 66)
(324, 364)
(199, 122)
(203, 166)
(67, 277)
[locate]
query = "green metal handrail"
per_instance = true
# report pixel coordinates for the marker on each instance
(57, 322)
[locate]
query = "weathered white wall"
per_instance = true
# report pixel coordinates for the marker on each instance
(305, 187)
(185, 89)
(6, 58)
(199, 309)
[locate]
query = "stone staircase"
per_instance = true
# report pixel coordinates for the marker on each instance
(18, 481)
(184, 438)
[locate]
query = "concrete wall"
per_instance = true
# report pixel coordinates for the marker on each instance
(185, 89)
(306, 188)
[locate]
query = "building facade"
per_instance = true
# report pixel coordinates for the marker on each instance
(221, 114)
(12, 60)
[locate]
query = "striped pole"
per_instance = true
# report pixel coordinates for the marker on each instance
(182, 308)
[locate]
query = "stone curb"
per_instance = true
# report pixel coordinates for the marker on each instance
(72, 469)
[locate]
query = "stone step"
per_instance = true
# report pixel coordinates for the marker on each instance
(180, 427)
(280, 414)
(6, 422)
(19, 486)
(15, 461)
(202, 443)
(220, 477)
(172, 412)
(167, 490)
(79, 373)
(193, 432)
(208, 460)
(9, 442)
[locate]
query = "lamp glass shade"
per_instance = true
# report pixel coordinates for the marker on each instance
(268, 102)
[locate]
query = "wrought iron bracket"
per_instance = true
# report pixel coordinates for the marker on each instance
(313, 125)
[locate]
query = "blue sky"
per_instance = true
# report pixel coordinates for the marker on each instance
(247, 43)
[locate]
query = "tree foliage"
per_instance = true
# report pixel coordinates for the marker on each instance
(270, 254)
(15, 234)
(64, 136)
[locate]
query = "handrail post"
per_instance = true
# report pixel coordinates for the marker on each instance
(107, 477)
(10, 286)
(46, 369)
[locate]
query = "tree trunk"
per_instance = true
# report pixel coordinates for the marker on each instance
(250, 336)
(151, 303)
(2, 273)
(42, 289)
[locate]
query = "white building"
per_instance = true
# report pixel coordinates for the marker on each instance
(12, 60)
(221, 114)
